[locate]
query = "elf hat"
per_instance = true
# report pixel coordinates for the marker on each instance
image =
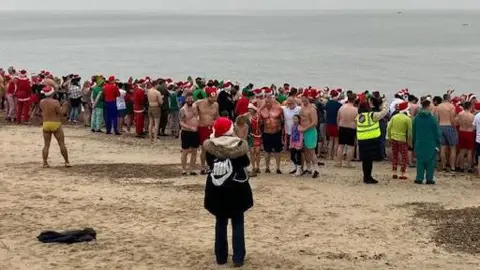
(222, 127)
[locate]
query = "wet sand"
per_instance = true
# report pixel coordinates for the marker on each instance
(149, 217)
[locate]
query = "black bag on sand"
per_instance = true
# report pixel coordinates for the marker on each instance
(68, 237)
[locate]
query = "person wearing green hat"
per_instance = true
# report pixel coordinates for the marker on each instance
(199, 92)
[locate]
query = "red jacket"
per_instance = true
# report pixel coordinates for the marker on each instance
(138, 100)
(110, 92)
(242, 106)
(24, 89)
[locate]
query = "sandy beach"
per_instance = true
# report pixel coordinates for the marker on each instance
(149, 217)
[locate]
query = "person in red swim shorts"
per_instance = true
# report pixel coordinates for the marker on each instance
(207, 113)
(466, 138)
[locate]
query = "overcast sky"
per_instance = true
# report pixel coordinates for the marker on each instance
(193, 5)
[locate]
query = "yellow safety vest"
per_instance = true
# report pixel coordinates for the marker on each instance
(367, 128)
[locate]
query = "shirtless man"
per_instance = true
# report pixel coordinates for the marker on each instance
(155, 101)
(308, 126)
(51, 114)
(445, 113)
(466, 137)
(189, 135)
(207, 112)
(271, 115)
(347, 131)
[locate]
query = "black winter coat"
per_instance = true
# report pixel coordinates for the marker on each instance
(228, 192)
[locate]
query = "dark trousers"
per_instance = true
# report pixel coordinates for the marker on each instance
(111, 116)
(296, 156)
(163, 122)
(238, 239)
(367, 166)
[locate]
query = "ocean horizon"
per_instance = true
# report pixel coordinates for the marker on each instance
(424, 50)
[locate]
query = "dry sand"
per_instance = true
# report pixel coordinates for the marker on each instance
(149, 217)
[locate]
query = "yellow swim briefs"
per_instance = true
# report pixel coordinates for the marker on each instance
(51, 126)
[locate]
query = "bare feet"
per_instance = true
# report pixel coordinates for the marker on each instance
(67, 165)
(45, 166)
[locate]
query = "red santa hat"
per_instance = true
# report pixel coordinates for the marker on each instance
(48, 90)
(227, 85)
(222, 127)
(334, 94)
(267, 91)
(403, 106)
(111, 79)
(23, 73)
(258, 92)
(477, 106)
(211, 91)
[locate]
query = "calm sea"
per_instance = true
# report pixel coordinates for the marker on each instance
(425, 51)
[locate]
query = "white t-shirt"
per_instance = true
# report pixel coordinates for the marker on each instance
(476, 125)
(288, 115)
(121, 104)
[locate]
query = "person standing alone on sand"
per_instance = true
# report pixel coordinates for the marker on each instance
(445, 113)
(227, 193)
(189, 134)
(51, 114)
(466, 138)
(308, 127)
(207, 112)
(155, 100)
(347, 131)
(426, 140)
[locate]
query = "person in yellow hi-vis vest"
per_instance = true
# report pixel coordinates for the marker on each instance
(368, 134)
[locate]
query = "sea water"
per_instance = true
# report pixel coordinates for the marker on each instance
(425, 51)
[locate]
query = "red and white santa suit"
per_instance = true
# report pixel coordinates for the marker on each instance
(139, 109)
(23, 92)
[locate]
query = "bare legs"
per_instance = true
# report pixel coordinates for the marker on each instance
(60, 137)
(332, 146)
(153, 126)
(193, 159)
(350, 152)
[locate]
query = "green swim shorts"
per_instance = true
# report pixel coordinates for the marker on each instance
(310, 138)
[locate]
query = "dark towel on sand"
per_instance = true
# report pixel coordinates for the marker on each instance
(68, 237)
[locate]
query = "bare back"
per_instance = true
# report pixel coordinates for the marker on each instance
(465, 121)
(189, 118)
(51, 110)
(347, 116)
(155, 98)
(207, 112)
(445, 113)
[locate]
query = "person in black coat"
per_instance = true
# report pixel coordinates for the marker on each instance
(225, 102)
(227, 193)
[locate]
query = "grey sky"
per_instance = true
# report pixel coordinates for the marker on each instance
(193, 5)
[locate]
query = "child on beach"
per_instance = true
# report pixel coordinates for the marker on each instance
(254, 138)
(241, 127)
(296, 146)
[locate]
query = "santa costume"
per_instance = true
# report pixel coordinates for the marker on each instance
(23, 94)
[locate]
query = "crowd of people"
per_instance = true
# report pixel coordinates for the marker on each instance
(310, 123)
(234, 128)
